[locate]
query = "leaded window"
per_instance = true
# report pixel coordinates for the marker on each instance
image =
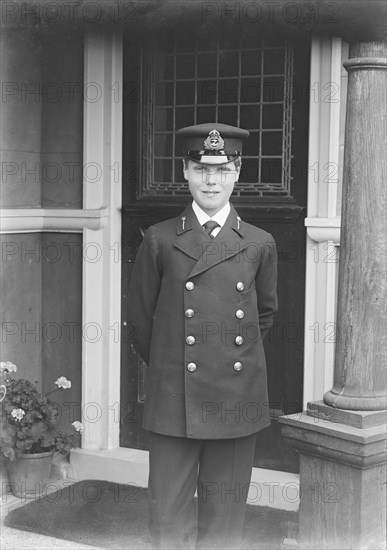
(239, 81)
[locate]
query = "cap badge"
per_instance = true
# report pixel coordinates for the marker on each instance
(213, 141)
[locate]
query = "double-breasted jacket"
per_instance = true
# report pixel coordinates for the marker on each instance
(201, 308)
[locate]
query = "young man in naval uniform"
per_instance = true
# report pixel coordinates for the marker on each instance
(203, 297)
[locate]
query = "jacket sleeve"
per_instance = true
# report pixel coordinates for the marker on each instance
(266, 285)
(143, 293)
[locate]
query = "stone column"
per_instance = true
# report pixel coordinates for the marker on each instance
(342, 439)
(360, 377)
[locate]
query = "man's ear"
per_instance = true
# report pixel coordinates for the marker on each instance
(238, 171)
(185, 169)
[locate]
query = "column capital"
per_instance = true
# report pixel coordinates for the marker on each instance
(367, 49)
(365, 63)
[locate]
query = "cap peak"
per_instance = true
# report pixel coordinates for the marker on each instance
(212, 139)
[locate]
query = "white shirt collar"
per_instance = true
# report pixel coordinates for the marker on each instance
(219, 217)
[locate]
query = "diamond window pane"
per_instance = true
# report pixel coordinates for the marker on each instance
(249, 116)
(229, 64)
(273, 89)
(185, 92)
(179, 144)
(274, 62)
(228, 115)
(271, 170)
(251, 145)
(205, 114)
(163, 168)
(164, 93)
(163, 145)
(228, 91)
(207, 65)
(249, 171)
(164, 67)
(185, 66)
(251, 63)
(206, 91)
(185, 116)
(272, 116)
(163, 119)
(272, 143)
(250, 90)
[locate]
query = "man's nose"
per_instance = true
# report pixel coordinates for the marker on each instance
(211, 177)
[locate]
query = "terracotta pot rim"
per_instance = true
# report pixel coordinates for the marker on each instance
(35, 455)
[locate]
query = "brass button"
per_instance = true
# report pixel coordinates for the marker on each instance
(189, 313)
(190, 340)
(237, 366)
(240, 286)
(189, 285)
(240, 313)
(239, 340)
(191, 367)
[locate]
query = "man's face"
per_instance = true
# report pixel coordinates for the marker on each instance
(211, 184)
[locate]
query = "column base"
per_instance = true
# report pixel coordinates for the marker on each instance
(357, 419)
(342, 478)
(337, 400)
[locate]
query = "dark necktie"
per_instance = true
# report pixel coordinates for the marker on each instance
(210, 226)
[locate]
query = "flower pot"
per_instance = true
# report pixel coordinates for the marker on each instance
(29, 473)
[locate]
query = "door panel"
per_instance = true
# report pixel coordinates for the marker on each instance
(261, 84)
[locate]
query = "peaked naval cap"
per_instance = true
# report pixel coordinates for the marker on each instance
(213, 139)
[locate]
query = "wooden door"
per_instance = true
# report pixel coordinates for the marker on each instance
(256, 82)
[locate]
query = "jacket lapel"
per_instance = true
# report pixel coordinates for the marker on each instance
(191, 236)
(193, 240)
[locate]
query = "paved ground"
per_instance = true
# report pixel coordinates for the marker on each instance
(14, 539)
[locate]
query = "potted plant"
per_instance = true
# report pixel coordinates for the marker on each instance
(29, 435)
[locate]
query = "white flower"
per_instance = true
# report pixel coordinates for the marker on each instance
(78, 426)
(7, 366)
(18, 413)
(63, 383)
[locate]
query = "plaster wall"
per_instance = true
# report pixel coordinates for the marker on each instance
(61, 319)
(41, 144)
(21, 125)
(21, 304)
(62, 120)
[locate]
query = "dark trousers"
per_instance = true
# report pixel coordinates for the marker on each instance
(219, 469)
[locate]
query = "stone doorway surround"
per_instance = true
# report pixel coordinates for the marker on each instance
(99, 221)
(101, 457)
